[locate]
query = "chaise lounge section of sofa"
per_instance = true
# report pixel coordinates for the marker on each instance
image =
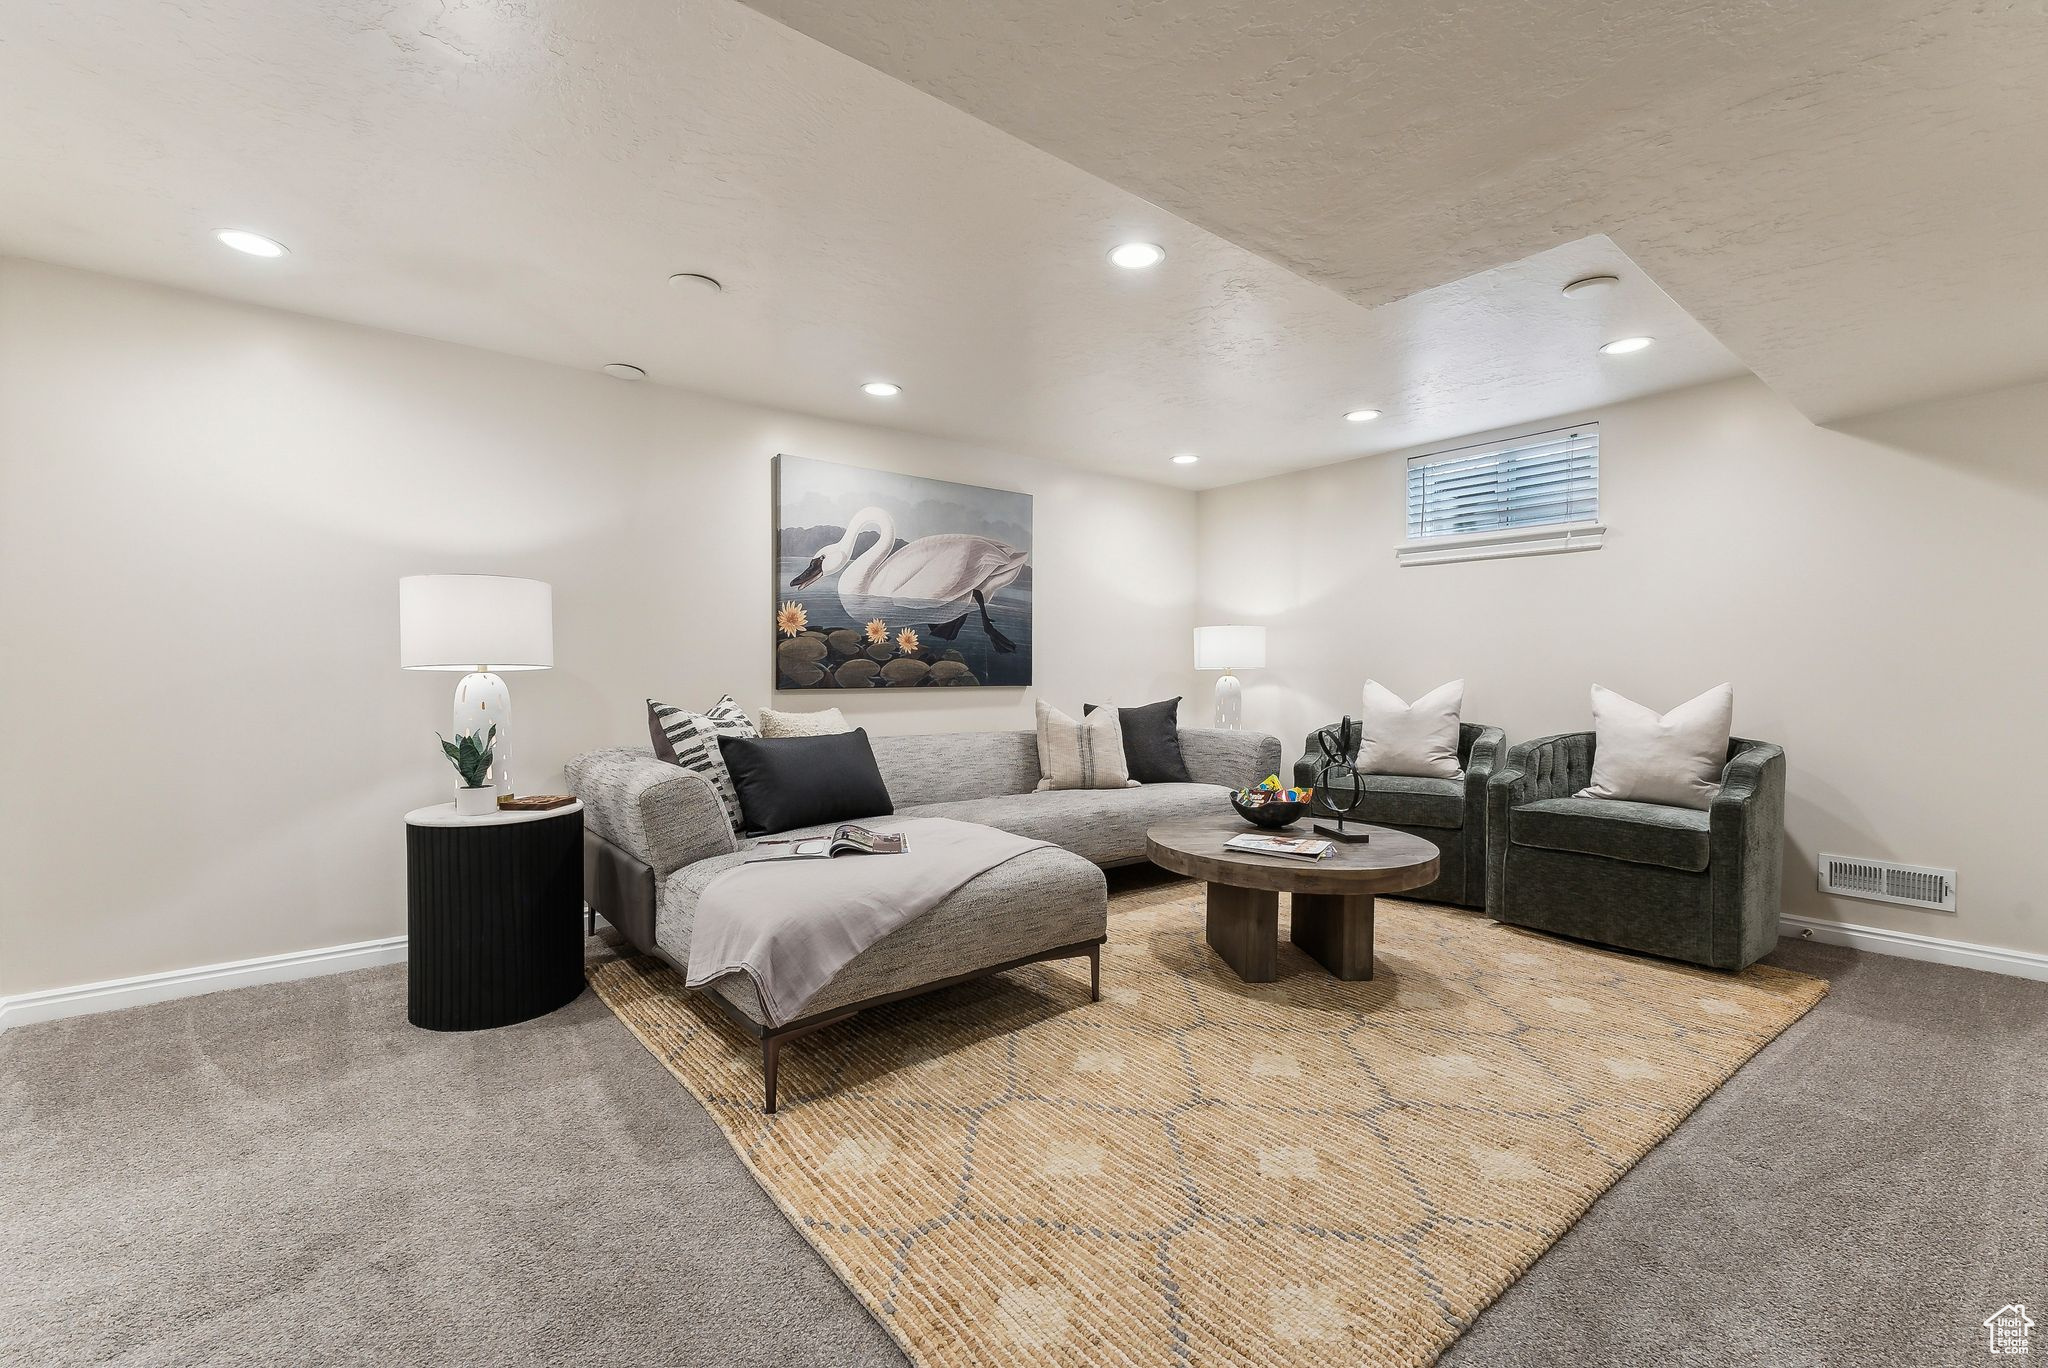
(656, 836)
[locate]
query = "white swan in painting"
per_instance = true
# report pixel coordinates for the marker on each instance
(933, 577)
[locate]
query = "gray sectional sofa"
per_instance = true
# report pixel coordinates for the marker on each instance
(656, 835)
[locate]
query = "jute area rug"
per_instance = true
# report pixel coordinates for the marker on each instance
(1200, 1171)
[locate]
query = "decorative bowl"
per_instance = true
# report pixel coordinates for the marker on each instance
(1271, 816)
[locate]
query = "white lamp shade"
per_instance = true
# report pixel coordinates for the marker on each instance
(475, 622)
(1230, 648)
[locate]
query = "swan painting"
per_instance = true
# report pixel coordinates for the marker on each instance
(897, 581)
(938, 579)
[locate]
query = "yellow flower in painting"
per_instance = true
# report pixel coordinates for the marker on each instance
(906, 641)
(878, 632)
(791, 619)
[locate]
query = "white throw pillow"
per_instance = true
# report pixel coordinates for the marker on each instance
(1087, 753)
(829, 722)
(1673, 758)
(1419, 738)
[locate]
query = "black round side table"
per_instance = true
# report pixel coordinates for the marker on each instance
(494, 915)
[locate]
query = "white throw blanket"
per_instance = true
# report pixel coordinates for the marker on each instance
(792, 925)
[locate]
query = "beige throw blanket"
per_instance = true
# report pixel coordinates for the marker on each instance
(792, 925)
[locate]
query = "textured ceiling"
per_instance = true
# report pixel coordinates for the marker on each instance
(525, 176)
(1852, 194)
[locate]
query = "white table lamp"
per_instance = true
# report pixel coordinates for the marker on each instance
(1228, 649)
(478, 624)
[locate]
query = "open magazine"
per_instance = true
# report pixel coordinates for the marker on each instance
(1294, 847)
(846, 840)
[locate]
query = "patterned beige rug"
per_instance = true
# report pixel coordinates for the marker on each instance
(1206, 1172)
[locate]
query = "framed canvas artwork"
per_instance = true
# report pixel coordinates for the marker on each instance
(889, 581)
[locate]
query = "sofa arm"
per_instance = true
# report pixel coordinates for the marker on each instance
(1746, 857)
(1233, 759)
(659, 813)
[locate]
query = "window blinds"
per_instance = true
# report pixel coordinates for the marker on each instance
(1542, 479)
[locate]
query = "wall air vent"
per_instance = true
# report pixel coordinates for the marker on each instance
(1879, 881)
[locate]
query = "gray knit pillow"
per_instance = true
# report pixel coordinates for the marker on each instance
(690, 740)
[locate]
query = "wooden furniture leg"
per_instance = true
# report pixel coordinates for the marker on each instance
(1335, 931)
(1095, 973)
(1244, 928)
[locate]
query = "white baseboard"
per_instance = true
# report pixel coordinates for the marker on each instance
(1910, 945)
(113, 994)
(206, 978)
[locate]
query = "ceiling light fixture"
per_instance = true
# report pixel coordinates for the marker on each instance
(619, 370)
(1136, 256)
(881, 389)
(1186, 458)
(1622, 346)
(1361, 415)
(695, 282)
(1590, 285)
(254, 244)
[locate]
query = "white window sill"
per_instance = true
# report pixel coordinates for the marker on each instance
(1519, 541)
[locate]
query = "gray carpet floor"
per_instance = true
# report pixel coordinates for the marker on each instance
(291, 1174)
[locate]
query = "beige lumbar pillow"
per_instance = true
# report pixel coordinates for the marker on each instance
(1083, 754)
(1673, 758)
(829, 722)
(1419, 738)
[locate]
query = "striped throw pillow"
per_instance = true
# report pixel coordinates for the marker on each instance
(690, 739)
(1085, 754)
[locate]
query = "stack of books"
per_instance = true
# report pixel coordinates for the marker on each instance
(1294, 847)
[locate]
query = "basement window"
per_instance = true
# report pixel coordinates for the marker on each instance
(1533, 495)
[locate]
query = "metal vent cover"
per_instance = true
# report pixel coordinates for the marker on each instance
(1884, 881)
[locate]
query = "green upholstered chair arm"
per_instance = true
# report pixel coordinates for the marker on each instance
(1746, 825)
(1482, 749)
(1307, 770)
(1548, 767)
(1485, 748)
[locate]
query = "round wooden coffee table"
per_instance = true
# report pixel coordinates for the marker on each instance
(1332, 897)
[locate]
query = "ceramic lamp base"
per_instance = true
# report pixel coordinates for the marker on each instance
(483, 701)
(1229, 701)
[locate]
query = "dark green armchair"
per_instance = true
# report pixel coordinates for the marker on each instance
(1688, 885)
(1448, 813)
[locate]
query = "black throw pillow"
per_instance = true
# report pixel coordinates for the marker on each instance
(1152, 742)
(786, 782)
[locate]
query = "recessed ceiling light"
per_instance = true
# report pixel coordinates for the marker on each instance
(255, 244)
(1136, 256)
(695, 282)
(619, 370)
(881, 389)
(1361, 415)
(1186, 458)
(1589, 285)
(1622, 346)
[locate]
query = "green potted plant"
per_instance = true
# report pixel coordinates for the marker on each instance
(470, 753)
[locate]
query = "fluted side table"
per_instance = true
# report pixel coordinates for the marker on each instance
(494, 915)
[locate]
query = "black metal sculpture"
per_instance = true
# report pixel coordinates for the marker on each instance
(1336, 761)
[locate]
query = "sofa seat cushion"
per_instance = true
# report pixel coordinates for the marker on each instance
(1640, 833)
(1405, 800)
(1106, 826)
(1041, 900)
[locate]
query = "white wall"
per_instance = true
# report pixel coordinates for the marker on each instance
(1874, 595)
(204, 511)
